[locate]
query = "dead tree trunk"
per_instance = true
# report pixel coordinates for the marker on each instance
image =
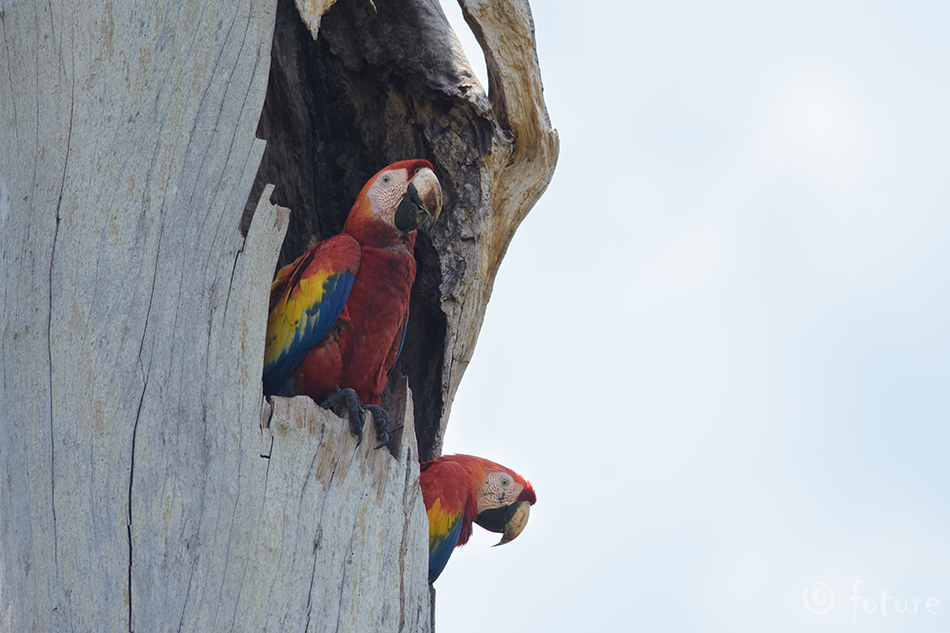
(146, 484)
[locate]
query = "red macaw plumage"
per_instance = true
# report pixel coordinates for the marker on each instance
(338, 313)
(459, 490)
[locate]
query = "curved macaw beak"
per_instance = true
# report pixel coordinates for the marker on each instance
(508, 520)
(422, 202)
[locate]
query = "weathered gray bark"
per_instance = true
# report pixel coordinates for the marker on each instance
(361, 566)
(131, 306)
(139, 488)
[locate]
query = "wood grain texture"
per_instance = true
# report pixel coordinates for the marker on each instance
(344, 527)
(128, 133)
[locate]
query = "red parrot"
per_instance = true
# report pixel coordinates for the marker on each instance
(461, 489)
(338, 313)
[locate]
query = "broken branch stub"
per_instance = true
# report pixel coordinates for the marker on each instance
(343, 526)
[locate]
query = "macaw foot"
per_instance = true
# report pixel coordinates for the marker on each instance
(357, 418)
(381, 420)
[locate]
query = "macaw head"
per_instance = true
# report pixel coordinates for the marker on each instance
(503, 497)
(395, 202)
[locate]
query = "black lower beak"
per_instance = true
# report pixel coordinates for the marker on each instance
(411, 211)
(496, 519)
(509, 520)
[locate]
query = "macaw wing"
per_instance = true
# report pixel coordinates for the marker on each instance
(306, 299)
(450, 507)
(442, 544)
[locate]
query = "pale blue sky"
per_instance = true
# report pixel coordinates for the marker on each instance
(719, 345)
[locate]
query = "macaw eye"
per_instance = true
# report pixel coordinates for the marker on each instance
(386, 180)
(505, 482)
(416, 170)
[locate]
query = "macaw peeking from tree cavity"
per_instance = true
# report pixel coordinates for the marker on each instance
(338, 313)
(461, 489)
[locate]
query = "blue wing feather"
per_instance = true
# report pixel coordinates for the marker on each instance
(439, 556)
(315, 322)
(405, 326)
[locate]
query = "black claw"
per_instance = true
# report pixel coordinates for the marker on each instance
(353, 409)
(381, 420)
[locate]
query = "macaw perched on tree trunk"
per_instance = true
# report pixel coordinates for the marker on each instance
(338, 313)
(461, 489)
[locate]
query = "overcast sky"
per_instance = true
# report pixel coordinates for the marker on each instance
(719, 346)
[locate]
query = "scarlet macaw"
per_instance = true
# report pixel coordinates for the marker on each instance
(458, 490)
(338, 313)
